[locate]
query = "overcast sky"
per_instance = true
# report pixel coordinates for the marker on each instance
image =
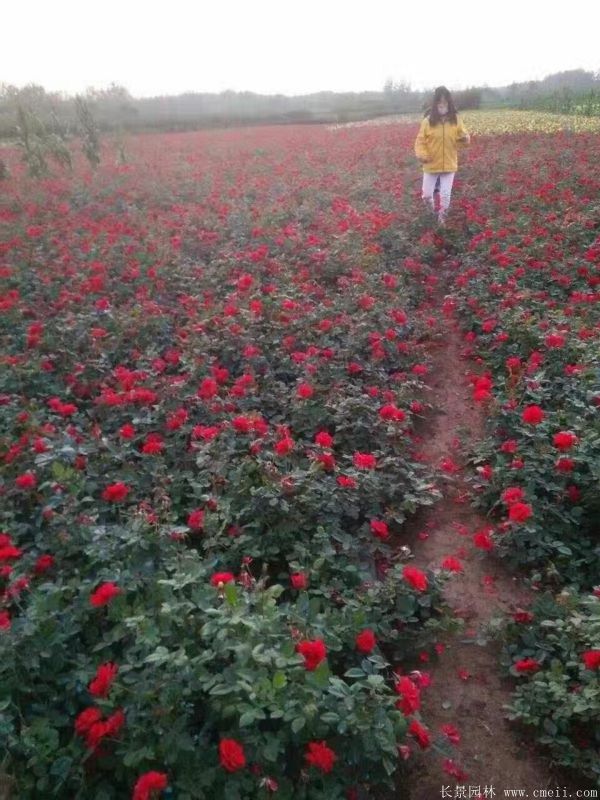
(292, 46)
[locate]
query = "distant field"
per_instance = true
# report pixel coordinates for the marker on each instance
(500, 121)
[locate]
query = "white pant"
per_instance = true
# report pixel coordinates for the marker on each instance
(429, 182)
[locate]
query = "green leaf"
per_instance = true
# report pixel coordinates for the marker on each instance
(231, 594)
(218, 690)
(355, 672)
(330, 718)
(160, 655)
(279, 680)
(321, 675)
(298, 724)
(61, 767)
(133, 757)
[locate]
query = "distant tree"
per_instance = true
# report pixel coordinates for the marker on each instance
(468, 98)
(577, 80)
(31, 137)
(89, 131)
(398, 94)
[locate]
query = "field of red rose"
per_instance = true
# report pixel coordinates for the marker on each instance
(216, 376)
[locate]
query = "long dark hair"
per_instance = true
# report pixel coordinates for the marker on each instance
(441, 93)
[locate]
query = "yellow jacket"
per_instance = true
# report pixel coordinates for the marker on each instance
(439, 144)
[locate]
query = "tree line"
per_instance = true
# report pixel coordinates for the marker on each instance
(115, 109)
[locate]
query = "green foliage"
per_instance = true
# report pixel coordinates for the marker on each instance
(196, 663)
(561, 700)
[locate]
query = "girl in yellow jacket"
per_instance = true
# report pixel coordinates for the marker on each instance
(442, 132)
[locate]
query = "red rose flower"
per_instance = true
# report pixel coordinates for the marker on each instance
(327, 459)
(148, 785)
(416, 578)
(208, 389)
(365, 641)
(565, 465)
(206, 432)
(313, 651)
(410, 695)
(512, 495)
(97, 730)
(564, 440)
(127, 431)
(379, 529)
(451, 732)
(153, 445)
(319, 755)
(86, 719)
(305, 390)
(520, 512)
(115, 492)
(231, 755)
(420, 733)
(26, 481)
(324, 439)
(364, 461)
(104, 594)
(299, 580)
(392, 413)
(591, 659)
(9, 552)
(195, 520)
(242, 424)
(482, 540)
(527, 665)
(452, 564)
(284, 446)
(533, 415)
(114, 723)
(105, 675)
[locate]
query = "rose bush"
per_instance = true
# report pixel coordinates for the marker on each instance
(527, 296)
(559, 696)
(212, 378)
(181, 661)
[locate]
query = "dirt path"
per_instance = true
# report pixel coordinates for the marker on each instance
(491, 751)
